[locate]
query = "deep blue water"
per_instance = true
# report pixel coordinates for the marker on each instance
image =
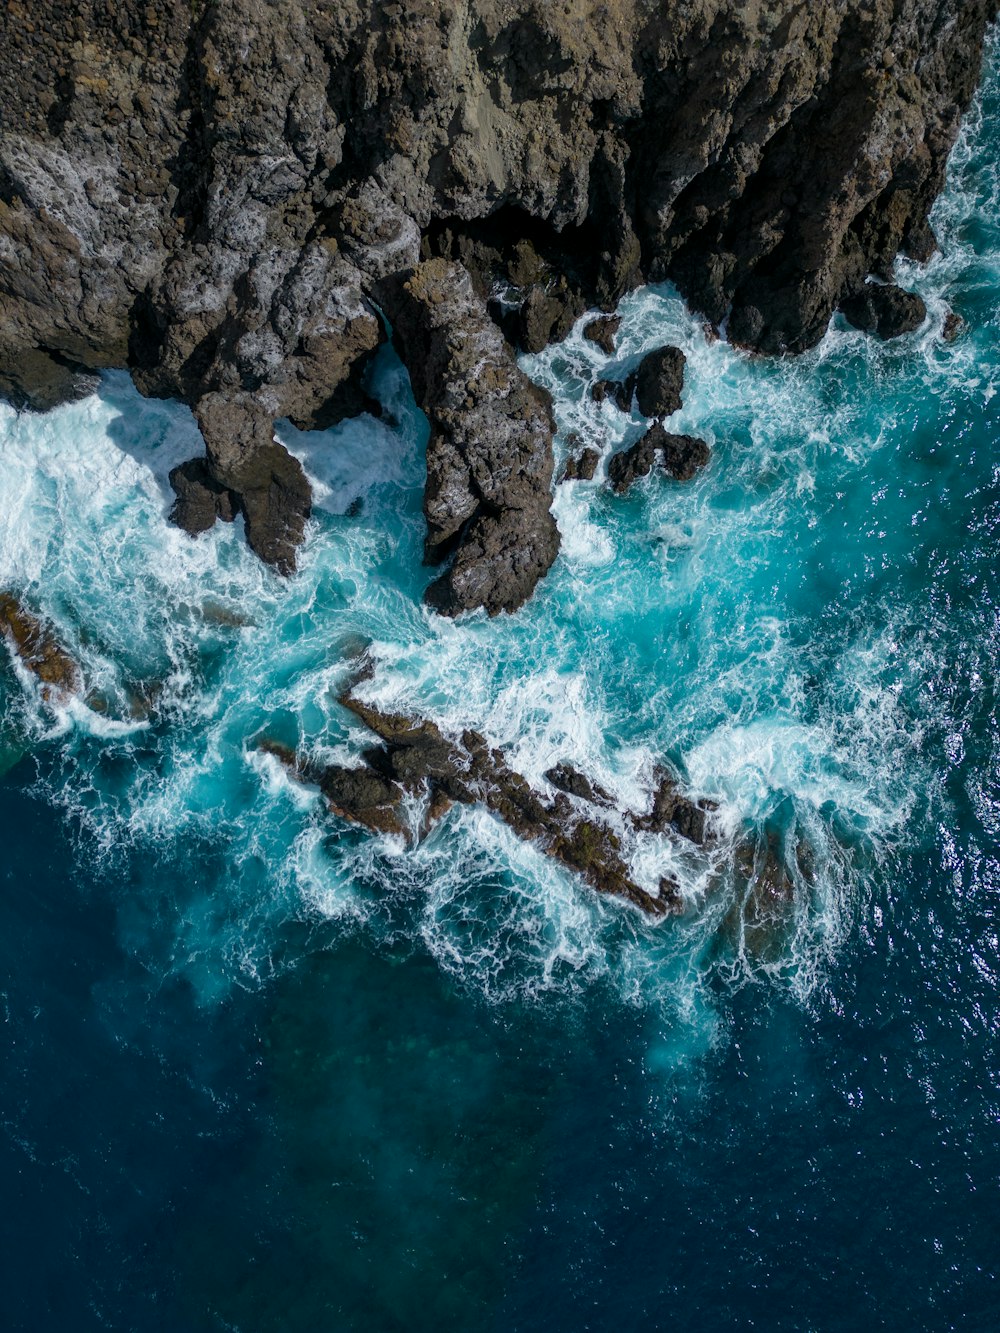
(264, 1072)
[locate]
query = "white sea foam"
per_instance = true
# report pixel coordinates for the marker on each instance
(736, 627)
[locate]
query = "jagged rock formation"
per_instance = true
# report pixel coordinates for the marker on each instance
(680, 456)
(415, 756)
(581, 466)
(210, 193)
(603, 331)
(885, 309)
(489, 457)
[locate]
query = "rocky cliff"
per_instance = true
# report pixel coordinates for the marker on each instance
(229, 198)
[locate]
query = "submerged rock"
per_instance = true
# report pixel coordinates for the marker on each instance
(416, 756)
(954, 327)
(884, 309)
(37, 647)
(759, 922)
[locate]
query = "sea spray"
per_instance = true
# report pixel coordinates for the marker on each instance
(767, 628)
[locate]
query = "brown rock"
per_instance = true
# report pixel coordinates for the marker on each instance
(38, 648)
(673, 810)
(571, 780)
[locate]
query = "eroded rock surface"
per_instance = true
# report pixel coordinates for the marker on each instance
(489, 459)
(673, 809)
(582, 466)
(35, 644)
(209, 193)
(658, 382)
(885, 309)
(414, 755)
(603, 331)
(680, 456)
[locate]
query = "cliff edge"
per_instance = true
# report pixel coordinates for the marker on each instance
(230, 199)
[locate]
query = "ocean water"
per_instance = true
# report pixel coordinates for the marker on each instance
(264, 1071)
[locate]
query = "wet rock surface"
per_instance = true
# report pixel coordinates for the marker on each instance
(680, 456)
(582, 466)
(619, 392)
(489, 458)
(603, 331)
(672, 809)
(210, 193)
(35, 644)
(570, 780)
(885, 310)
(628, 465)
(954, 327)
(765, 869)
(415, 756)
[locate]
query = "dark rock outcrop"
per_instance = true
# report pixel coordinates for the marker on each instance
(885, 309)
(658, 382)
(673, 810)
(209, 193)
(681, 456)
(489, 459)
(619, 392)
(200, 498)
(602, 331)
(570, 780)
(582, 466)
(954, 327)
(38, 381)
(414, 755)
(655, 384)
(359, 795)
(628, 465)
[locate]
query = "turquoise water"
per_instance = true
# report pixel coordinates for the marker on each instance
(265, 1071)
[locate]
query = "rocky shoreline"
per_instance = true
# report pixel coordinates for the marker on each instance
(409, 780)
(233, 200)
